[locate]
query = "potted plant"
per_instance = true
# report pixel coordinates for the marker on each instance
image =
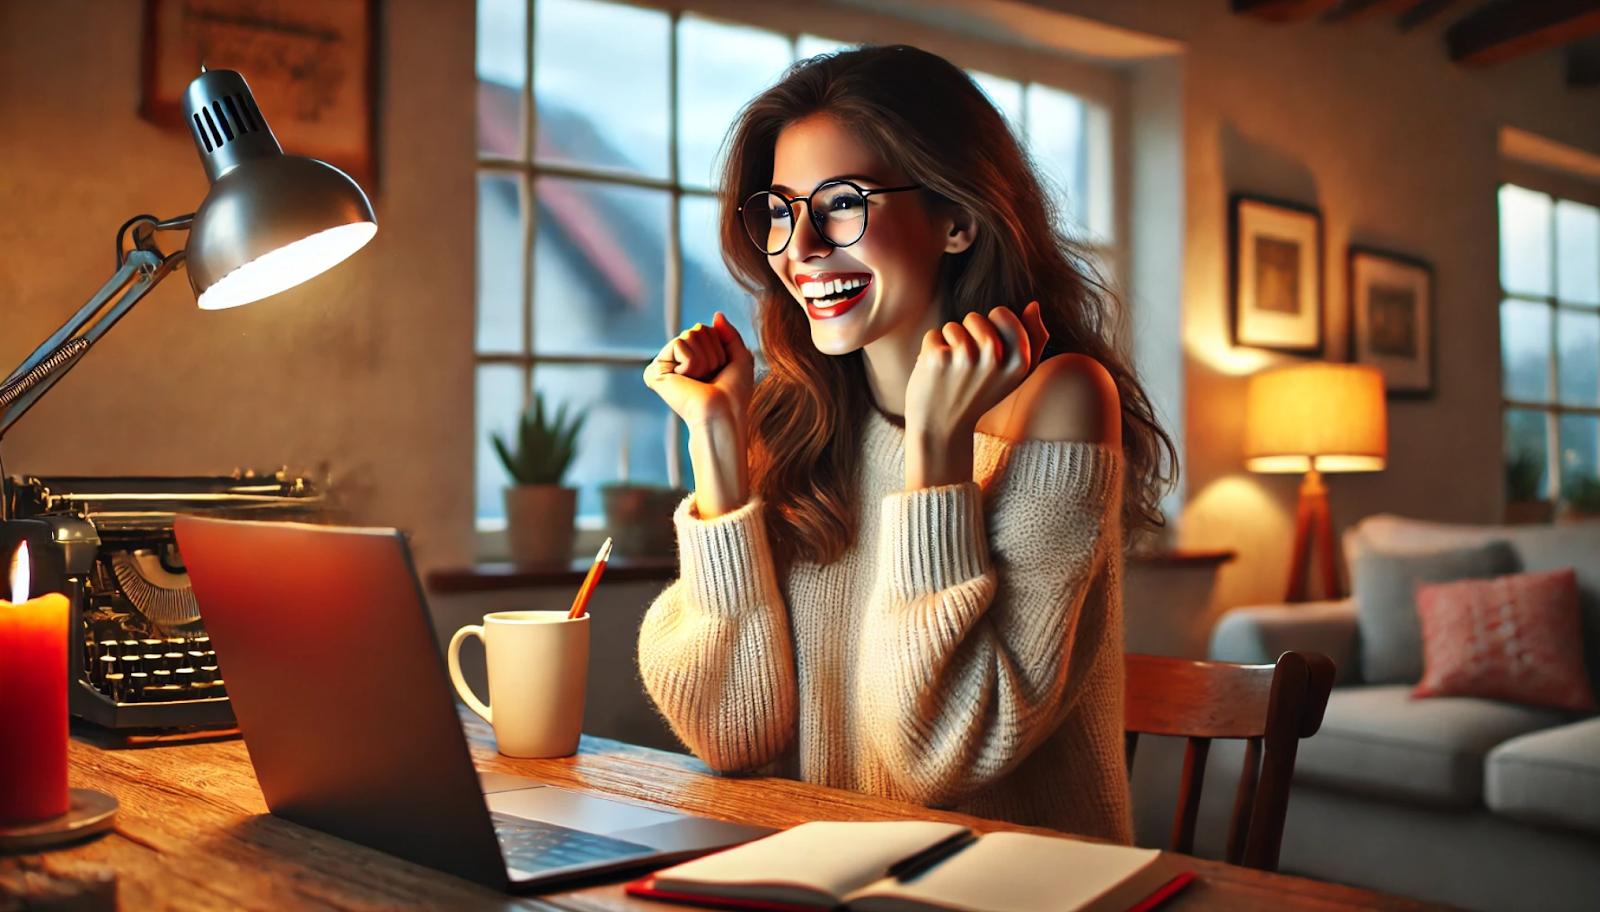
(539, 510)
(1524, 506)
(639, 516)
(1580, 497)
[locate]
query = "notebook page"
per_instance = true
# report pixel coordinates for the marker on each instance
(1015, 872)
(825, 858)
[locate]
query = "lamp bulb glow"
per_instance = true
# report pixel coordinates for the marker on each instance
(287, 266)
(21, 574)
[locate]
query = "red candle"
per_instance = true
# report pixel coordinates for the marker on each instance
(33, 705)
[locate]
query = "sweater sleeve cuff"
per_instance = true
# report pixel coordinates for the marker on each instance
(934, 539)
(1072, 471)
(726, 562)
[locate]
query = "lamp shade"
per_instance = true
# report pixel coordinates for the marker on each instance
(1323, 416)
(270, 221)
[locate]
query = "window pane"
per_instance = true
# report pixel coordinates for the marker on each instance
(499, 404)
(1056, 142)
(1578, 334)
(707, 286)
(1580, 448)
(720, 68)
(600, 77)
(812, 45)
(1524, 241)
(599, 268)
(1525, 351)
(1006, 95)
(1577, 253)
(502, 74)
(617, 405)
(1527, 455)
(500, 264)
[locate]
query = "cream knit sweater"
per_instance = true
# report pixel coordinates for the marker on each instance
(966, 652)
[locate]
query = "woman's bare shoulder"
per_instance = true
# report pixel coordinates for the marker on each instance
(1069, 397)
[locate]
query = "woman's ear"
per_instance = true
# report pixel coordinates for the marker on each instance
(963, 230)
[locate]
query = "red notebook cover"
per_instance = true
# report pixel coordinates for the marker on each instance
(646, 887)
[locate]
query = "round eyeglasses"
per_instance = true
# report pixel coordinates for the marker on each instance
(838, 211)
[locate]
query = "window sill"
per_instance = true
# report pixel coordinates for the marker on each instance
(497, 576)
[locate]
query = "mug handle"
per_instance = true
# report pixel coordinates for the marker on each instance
(471, 699)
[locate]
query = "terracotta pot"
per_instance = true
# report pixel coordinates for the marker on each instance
(1529, 512)
(539, 525)
(639, 519)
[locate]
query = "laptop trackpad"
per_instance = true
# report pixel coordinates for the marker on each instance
(574, 810)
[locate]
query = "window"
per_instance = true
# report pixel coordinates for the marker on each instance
(1549, 342)
(599, 124)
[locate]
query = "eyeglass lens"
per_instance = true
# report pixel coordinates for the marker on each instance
(838, 211)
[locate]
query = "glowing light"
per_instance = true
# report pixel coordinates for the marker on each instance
(21, 574)
(287, 266)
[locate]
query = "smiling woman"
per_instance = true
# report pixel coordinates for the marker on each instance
(899, 568)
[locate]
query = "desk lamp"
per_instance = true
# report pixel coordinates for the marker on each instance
(269, 222)
(1315, 418)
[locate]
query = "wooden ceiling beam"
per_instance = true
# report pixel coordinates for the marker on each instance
(1506, 29)
(1357, 10)
(1583, 65)
(1421, 11)
(1282, 10)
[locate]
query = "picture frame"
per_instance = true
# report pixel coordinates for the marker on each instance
(311, 64)
(1276, 274)
(1391, 319)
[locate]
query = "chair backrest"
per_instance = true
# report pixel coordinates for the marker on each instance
(1270, 707)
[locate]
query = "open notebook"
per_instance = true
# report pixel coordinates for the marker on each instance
(919, 866)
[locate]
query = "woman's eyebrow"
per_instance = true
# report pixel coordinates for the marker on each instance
(864, 178)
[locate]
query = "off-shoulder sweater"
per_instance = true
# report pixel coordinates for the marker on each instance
(965, 653)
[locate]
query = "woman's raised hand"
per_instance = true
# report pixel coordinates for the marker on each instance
(964, 370)
(706, 376)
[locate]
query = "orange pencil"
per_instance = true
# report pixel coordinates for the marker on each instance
(580, 605)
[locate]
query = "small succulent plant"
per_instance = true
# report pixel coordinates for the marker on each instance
(1524, 471)
(1582, 494)
(544, 449)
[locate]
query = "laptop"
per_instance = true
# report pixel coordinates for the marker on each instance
(337, 681)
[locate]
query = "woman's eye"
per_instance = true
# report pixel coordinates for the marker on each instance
(778, 212)
(846, 204)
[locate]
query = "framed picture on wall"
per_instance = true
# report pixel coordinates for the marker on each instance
(310, 63)
(1391, 319)
(1276, 275)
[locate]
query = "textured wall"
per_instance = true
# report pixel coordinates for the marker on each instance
(1398, 149)
(367, 368)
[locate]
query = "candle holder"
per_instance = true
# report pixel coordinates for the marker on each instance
(90, 814)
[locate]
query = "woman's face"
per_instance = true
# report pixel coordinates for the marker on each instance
(888, 280)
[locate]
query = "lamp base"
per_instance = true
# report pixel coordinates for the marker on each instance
(1313, 531)
(90, 813)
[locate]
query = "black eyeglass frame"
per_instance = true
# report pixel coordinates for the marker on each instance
(812, 212)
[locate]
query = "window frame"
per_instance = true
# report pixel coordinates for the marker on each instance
(1560, 188)
(1103, 89)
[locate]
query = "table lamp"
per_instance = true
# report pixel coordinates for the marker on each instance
(269, 222)
(1315, 418)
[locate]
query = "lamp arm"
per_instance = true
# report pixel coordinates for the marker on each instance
(141, 269)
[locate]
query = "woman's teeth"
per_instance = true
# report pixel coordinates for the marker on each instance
(816, 291)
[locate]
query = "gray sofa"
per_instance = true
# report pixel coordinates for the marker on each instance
(1479, 804)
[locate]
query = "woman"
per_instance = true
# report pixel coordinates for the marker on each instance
(900, 565)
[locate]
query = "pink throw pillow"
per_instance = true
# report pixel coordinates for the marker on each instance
(1515, 638)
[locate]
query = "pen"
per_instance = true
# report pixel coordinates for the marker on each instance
(580, 605)
(924, 861)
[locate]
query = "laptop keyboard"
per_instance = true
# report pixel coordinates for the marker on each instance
(534, 846)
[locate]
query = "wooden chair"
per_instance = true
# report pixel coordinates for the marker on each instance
(1271, 707)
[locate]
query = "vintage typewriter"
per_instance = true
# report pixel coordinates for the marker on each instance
(139, 656)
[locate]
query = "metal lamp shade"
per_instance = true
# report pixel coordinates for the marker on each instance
(270, 221)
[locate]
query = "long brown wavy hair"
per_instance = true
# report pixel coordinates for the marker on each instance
(923, 114)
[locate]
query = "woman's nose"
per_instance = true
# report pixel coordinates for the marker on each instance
(807, 243)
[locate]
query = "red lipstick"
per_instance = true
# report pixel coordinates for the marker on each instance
(833, 306)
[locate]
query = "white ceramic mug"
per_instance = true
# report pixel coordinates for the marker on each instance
(538, 664)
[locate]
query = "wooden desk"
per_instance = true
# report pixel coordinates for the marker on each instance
(193, 834)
